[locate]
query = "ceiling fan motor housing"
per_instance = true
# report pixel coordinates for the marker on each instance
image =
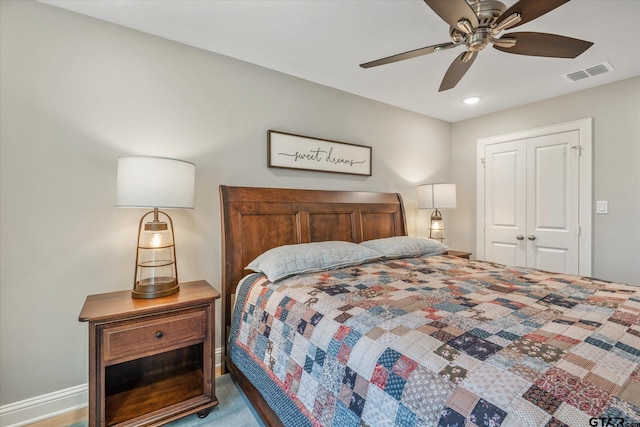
(479, 39)
(487, 11)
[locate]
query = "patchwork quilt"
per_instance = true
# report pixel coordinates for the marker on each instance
(441, 341)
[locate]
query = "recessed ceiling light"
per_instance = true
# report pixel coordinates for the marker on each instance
(471, 100)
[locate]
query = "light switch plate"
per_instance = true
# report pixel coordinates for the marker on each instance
(602, 207)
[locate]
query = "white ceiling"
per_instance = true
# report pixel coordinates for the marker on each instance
(324, 41)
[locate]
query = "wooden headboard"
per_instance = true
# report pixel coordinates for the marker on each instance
(257, 219)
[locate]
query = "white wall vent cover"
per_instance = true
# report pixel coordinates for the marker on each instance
(594, 70)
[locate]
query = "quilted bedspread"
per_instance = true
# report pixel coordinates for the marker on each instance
(441, 341)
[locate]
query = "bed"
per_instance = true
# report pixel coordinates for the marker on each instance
(405, 334)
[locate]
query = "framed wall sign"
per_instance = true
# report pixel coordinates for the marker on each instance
(289, 151)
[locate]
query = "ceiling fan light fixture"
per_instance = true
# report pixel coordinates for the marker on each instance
(472, 100)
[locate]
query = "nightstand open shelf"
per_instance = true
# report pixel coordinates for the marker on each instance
(151, 361)
(136, 388)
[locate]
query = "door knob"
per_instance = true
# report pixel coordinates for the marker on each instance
(531, 237)
(520, 237)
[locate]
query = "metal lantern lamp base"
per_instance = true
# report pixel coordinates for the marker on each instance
(156, 272)
(161, 287)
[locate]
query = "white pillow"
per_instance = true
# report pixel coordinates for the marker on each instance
(288, 260)
(405, 246)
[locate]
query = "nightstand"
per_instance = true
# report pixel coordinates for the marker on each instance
(459, 254)
(151, 361)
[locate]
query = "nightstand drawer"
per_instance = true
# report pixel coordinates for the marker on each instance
(158, 334)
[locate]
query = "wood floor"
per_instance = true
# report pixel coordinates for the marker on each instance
(64, 419)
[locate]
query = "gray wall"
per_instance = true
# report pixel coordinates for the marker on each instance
(615, 109)
(77, 93)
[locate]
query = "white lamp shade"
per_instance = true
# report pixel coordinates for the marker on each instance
(437, 196)
(155, 182)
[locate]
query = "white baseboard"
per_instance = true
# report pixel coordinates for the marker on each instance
(51, 404)
(42, 407)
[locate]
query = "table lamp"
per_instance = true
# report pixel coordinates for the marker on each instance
(155, 182)
(436, 196)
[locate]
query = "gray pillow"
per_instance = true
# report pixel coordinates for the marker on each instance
(288, 260)
(405, 246)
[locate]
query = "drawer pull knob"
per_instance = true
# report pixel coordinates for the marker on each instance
(159, 334)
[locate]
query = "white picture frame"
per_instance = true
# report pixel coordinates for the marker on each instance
(291, 151)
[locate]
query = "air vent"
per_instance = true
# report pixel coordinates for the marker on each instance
(599, 69)
(577, 75)
(594, 70)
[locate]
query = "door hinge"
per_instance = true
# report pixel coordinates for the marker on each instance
(578, 148)
(482, 160)
(579, 230)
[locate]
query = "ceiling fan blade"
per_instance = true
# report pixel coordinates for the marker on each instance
(530, 10)
(542, 44)
(452, 11)
(456, 71)
(410, 54)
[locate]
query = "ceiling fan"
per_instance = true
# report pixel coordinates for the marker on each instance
(478, 23)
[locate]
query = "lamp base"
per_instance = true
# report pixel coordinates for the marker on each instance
(436, 227)
(155, 288)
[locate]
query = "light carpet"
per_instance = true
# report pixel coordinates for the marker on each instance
(233, 410)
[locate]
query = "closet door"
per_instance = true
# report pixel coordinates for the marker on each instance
(553, 202)
(532, 202)
(534, 198)
(506, 202)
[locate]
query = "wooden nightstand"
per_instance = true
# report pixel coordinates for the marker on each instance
(151, 360)
(459, 254)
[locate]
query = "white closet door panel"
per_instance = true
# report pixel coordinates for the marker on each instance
(505, 253)
(553, 202)
(550, 188)
(505, 202)
(549, 259)
(504, 206)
